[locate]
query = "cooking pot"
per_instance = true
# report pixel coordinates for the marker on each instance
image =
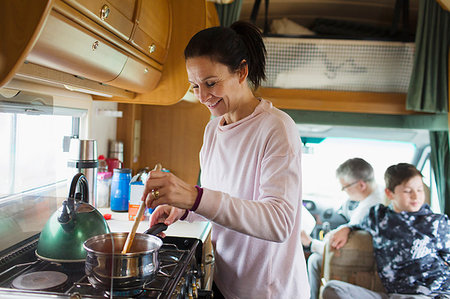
(107, 267)
(63, 235)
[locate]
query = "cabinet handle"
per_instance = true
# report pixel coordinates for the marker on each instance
(95, 45)
(152, 48)
(104, 12)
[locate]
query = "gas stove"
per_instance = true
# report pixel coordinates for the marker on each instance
(22, 274)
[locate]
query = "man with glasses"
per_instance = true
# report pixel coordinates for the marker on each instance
(357, 180)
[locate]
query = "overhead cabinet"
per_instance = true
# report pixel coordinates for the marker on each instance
(152, 34)
(116, 15)
(120, 44)
(66, 46)
(145, 24)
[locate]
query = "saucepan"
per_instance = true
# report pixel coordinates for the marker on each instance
(107, 267)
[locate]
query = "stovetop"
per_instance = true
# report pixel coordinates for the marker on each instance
(20, 266)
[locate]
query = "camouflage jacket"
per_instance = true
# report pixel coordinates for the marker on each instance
(412, 249)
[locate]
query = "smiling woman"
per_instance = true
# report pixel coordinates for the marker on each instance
(250, 171)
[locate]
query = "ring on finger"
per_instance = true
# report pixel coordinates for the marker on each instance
(155, 194)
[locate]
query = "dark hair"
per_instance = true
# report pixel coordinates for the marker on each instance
(397, 174)
(356, 169)
(230, 46)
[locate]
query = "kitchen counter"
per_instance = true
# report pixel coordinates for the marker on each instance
(119, 223)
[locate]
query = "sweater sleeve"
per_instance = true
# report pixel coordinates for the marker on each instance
(272, 216)
(317, 246)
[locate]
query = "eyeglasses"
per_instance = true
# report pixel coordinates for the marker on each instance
(349, 185)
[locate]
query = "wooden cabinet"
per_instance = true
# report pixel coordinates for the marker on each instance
(112, 47)
(137, 76)
(152, 34)
(116, 15)
(65, 46)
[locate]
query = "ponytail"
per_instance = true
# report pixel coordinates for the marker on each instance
(230, 46)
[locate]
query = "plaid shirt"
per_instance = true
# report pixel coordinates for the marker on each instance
(412, 249)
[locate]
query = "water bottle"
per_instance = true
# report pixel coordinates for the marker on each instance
(120, 189)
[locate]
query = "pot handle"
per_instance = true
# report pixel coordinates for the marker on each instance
(156, 229)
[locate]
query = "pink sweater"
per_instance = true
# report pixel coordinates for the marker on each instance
(251, 175)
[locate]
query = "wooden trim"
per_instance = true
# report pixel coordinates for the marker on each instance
(125, 133)
(445, 4)
(337, 101)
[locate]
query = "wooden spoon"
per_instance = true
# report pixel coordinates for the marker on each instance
(137, 220)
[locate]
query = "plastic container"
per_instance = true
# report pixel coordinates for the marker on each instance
(120, 189)
(113, 163)
(103, 189)
(102, 165)
(136, 190)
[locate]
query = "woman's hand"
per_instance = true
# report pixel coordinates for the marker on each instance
(166, 214)
(339, 238)
(166, 188)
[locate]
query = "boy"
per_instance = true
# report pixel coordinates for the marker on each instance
(411, 244)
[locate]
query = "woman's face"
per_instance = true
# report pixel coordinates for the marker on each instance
(408, 196)
(213, 84)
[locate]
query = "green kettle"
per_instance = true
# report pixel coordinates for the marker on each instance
(74, 222)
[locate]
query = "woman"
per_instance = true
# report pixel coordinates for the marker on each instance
(250, 171)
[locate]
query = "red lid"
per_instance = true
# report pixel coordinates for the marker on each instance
(107, 216)
(101, 157)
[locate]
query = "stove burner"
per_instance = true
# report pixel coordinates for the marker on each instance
(41, 280)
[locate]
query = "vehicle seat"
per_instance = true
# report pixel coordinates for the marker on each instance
(354, 263)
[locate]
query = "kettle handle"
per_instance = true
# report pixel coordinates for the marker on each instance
(79, 178)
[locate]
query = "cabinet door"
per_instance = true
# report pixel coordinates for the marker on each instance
(152, 34)
(65, 46)
(137, 76)
(116, 15)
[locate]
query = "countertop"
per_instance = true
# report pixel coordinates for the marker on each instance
(119, 223)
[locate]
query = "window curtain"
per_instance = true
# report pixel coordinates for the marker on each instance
(229, 13)
(428, 83)
(440, 163)
(428, 86)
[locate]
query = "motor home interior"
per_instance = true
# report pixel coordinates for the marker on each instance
(354, 75)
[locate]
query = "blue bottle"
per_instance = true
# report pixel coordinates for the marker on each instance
(120, 189)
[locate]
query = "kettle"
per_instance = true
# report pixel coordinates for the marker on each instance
(74, 222)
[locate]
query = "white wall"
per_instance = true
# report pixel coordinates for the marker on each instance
(102, 128)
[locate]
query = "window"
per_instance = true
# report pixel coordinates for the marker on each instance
(425, 168)
(31, 151)
(320, 160)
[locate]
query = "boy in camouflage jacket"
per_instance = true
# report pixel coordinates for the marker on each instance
(411, 243)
